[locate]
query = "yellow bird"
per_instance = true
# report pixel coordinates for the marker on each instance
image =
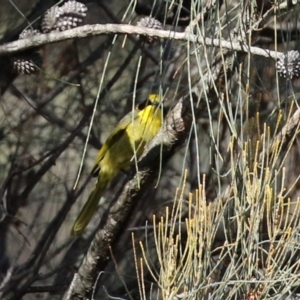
(125, 142)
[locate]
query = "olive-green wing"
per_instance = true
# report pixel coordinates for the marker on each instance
(114, 136)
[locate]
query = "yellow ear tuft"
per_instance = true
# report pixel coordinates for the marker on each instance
(154, 98)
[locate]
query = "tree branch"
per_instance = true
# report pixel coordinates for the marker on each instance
(101, 29)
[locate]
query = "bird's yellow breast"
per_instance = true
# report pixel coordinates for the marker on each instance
(141, 128)
(146, 125)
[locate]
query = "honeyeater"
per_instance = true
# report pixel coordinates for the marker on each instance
(125, 143)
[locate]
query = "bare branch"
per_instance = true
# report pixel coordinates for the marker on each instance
(100, 29)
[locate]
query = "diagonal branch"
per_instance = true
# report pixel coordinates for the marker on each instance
(288, 132)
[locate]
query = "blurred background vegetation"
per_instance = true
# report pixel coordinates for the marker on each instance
(226, 203)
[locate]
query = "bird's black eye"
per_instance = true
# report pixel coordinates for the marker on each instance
(142, 105)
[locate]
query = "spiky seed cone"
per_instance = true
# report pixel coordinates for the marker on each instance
(67, 16)
(149, 22)
(288, 65)
(26, 33)
(28, 63)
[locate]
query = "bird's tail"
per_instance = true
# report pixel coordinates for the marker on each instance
(90, 206)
